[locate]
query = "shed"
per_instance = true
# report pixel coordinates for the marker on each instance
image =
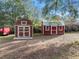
(23, 29)
(53, 27)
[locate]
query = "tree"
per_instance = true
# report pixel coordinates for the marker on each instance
(60, 5)
(9, 10)
(72, 9)
(52, 5)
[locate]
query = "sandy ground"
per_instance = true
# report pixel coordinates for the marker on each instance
(41, 47)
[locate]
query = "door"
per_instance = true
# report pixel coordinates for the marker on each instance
(60, 29)
(23, 31)
(47, 30)
(53, 29)
(26, 31)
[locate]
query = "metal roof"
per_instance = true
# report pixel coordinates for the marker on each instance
(53, 23)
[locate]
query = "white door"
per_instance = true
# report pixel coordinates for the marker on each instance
(23, 31)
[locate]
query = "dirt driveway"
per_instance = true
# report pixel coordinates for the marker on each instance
(40, 47)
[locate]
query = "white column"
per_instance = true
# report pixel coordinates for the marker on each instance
(29, 31)
(18, 30)
(64, 29)
(43, 29)
(56, 29)
(51, 30)
(23, 31)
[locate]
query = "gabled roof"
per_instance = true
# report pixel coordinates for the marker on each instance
(18, 22)
(53, 23)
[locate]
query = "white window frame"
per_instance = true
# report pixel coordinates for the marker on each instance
(47, 28)
(27, 31)
(60, 29)
(25, 22)
(24, 31)
(55, 30)
(18, 30)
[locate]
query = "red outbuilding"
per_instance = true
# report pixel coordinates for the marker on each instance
(5, 30)
(53, 27)
(23, 29)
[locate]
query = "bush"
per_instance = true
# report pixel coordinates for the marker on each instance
(72, 28)
(37, 30)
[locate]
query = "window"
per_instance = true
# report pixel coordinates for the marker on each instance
(53, 28)
(24, 22)
(47, 28)
(60, 28)
(20, 28)
(26, 28)
(23, 31)
(20, 32)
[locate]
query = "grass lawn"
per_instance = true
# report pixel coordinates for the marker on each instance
(8, 38)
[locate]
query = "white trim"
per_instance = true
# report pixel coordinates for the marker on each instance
(56, 29)
(32, 31)
(23, 21)
(51, 30)
(29, 32)
(43, 30)
(24, 31)
(64, 29)
(23, 38)
(47, 28)
(18, 30)
(60, 29)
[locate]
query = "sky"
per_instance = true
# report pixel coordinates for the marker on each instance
(39, 6)
(42, 4)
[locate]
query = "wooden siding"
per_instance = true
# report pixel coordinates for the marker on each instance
(53, 30)
(16, 31)
(27, 29)
(47, 32)
(60, 30)
(18, 22)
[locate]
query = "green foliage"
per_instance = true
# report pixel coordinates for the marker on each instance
(52, 5)
(58, 5)
(6, 38)
(74, 43)
(72, 9)
(36, 23)
(37, 26)
(10, 10)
